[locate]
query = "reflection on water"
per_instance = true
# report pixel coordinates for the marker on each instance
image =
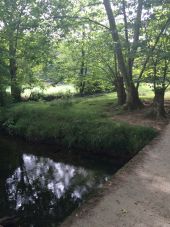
(40, 190)
(37, 177)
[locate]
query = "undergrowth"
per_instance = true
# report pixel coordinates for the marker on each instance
(80, 124)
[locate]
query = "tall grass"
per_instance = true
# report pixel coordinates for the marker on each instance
(80, 124)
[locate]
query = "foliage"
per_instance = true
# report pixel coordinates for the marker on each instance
(37, 96)
(158, 72)
(71, 41)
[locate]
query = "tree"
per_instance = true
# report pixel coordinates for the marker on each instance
(133, 100)
(23, 20)
(158, 74)
(104, 60)
(131, 48)
(17, 18)
(77, 60)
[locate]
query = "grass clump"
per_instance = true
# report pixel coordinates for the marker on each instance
(81, 124)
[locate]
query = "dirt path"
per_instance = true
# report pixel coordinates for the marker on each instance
(138, 195)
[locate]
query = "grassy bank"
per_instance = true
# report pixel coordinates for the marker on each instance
(81, 124)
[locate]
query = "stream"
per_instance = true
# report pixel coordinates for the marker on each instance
(42, 186)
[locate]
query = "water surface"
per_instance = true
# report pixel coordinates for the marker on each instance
(42, 186)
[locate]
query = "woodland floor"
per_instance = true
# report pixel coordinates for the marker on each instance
(140, 117)
(139, 193)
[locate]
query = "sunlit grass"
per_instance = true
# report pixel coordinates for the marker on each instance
(50, 90)
(146, 92)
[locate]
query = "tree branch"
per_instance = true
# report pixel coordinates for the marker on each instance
(87, 19)
(116, 40)
(125, 23)
(137, 27)
(152, 50)
(127, 36)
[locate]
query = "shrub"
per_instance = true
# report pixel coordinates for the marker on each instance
(38, 96)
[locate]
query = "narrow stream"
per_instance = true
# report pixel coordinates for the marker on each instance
(42, 186)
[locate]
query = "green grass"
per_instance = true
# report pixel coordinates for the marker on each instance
(79, 124)
(146, 91)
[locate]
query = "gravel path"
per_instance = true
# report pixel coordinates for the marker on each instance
(139, 194)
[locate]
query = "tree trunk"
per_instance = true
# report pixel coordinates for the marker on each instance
(83, 70)
(133, 101)
(2, 96)
(15, 89)
(82, 87)
(158, 109)
(120, 89)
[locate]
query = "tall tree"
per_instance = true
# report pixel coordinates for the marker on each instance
(23, 20)
(126, 58)
(133, 100)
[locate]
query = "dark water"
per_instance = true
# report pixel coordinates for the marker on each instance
(41, 186)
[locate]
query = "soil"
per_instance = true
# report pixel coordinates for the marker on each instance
(142, 117)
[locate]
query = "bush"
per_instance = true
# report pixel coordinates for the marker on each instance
(40, 96)
(93, 86)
